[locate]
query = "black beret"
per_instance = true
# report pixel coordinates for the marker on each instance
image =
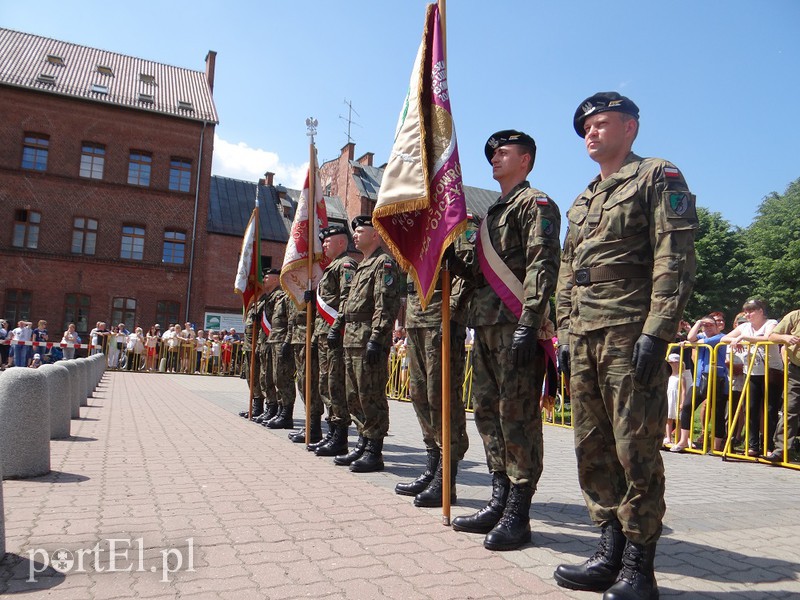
(332, 230)
(507, 137)
(361, 221)
(270, 271)
(602, 102)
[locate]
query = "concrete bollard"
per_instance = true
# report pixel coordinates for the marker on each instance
(100, 368)
(59, 391)
(75, 392)
(83, 380)
(24, 423)
(2, 515)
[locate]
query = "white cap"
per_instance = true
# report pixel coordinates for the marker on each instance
(674, 358)
(35, 356)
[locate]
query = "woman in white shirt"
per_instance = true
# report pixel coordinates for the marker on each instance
(755, 330)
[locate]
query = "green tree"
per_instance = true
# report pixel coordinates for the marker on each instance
(773, 247)
(723, 280)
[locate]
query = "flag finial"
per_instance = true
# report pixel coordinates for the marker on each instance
(311, 125)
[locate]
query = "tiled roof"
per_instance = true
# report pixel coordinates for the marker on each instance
(67, 69)
(231, 203)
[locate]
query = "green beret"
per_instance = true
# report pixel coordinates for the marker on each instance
(332, 230)
(508, 137)
(362, 221)
(602, 102)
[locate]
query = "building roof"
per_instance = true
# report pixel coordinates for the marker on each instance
(55, 67)
(368, 179)
(231, 203)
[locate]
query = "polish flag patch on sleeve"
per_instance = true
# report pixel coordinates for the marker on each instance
(671, 172)
(541, 200)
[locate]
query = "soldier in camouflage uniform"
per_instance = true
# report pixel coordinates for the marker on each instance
(332, 292)
(283, 368)
(367, 319)
(521, 228)
(423, 334)
(627, 270)
(298, 326)
(253, 319)
(272, 292)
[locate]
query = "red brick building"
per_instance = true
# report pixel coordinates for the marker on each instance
(105, 167)
(108, 209)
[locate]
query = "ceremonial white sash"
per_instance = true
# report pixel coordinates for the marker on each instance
(326, 311)
(497, 274)
(265, 324)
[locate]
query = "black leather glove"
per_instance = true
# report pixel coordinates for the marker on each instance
(334, 339)
(308, 296)
(286, 351)
(649, 354)
(524, 344)
(455, 265)
(374, 353)
(563, 359)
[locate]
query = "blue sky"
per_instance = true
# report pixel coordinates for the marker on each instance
(716, 81)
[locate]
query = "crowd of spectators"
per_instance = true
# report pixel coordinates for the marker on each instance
(722, 365)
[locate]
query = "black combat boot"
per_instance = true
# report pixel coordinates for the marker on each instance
(600, 571)
(371, 460)
(344, 460)
(258, 409)
(514, 528)
(266, 421)
(315, 435)
(636, 579)
(337, 444)
(284, 419)
(486, 518)
(431, 496)
(312, 447)
(413, 488)
(269, 412)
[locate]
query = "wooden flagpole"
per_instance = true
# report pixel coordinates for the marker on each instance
(256, 296)
(445, 277)
(311, 123)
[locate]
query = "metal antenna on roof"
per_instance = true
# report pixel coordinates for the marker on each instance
(349, 118)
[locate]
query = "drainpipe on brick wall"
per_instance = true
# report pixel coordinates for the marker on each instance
(194, 221)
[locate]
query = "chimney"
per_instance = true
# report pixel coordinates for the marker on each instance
(270, 176)
(262, 182)
(349, 150)
(211, 61)
(366, 159)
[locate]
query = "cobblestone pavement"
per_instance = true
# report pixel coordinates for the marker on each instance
(163, 492)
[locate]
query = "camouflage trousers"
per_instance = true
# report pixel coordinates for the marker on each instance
(257, 385)
(366, 392)
(300, 367)
(425, 386)
(268, 375)
(507, 405)
(619, 428)
(331, 382)
(283, 373)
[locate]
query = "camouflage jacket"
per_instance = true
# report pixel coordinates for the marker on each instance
(460, 292)
(268, 308)
(298, 321)
(372, 302)
(524, 228)
(641, 219)
(334, 287)
(280, 318)
(253, 319)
